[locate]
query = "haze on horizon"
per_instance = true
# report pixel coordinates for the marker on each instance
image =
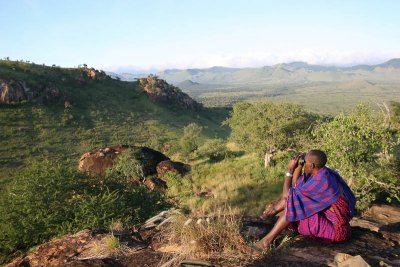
(127, 36)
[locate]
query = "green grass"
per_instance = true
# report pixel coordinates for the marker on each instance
(240, 182)
(104, 112)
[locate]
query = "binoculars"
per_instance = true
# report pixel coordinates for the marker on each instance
(302, 157)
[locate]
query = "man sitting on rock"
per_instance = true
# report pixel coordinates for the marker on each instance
(319, 205)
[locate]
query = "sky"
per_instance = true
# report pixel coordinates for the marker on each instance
(134, 36)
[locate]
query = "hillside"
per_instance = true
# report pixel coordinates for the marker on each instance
(58, 114)
(336, 88)
(89, 112)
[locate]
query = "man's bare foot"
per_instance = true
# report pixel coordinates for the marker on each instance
(262, 244)
(254, 250)
(258, 248)
(269, 212)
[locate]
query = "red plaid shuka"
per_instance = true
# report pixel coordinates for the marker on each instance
(312, 194)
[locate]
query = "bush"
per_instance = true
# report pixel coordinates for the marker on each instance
(362, 147)
(266, 127)
(49, 200)
(178, 187)
(213, 149)
(127, 167)
(189, 141)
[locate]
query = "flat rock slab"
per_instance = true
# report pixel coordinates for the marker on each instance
(302, 251)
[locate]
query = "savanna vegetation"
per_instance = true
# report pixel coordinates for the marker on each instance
(44, 196)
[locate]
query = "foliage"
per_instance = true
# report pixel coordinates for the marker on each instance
(179, 188)
(127, 167)
(107, 246)
(361, 146)
(112, 243)
(49, 199)
(394, 112)
(213, 149)
(267, 127)
(189, 141)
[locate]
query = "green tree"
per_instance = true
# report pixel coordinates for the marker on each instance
(213, 149)
(393, 112)
(361, 146)
(190, 139)
(267, 128)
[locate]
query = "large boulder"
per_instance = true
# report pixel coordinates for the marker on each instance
(97, 161)
(12, 92)
(155, 183)
(148, 158)
(170, 166)
(18, 91)
(92, 73)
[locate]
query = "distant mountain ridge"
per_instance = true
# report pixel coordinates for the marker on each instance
(335, 88)
(294, 72)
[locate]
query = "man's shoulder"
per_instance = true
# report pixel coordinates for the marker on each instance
(326, 171)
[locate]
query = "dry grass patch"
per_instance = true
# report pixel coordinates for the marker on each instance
(105, 247)
(213, 236)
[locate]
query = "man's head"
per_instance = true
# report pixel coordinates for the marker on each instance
(314, 160)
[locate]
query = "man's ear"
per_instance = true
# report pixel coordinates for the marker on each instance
(313, 165)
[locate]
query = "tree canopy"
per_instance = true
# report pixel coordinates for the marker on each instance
(361, 146)
(267, 127)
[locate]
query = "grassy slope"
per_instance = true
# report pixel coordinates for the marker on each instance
(240, 182)
(105, 112)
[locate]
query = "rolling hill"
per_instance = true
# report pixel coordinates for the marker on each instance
(90, 111)
(335, 88)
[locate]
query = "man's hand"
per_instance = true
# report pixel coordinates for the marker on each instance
(293, 164)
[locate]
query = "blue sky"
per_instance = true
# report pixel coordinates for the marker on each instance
(127, 35)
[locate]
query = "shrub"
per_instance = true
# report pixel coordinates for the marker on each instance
(127, 168)
(362, 147)
(213, 149)
(178, 187)
(189, 141)
(266, 127)
(48, 200)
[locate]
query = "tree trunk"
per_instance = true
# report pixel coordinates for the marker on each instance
(267, 158)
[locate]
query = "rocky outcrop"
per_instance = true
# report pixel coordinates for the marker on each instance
(92, 73)
(11, 91)
(160, 91)
(99, 160)
(51, 95)
(170, 166)
(155, 183)
(85, 249)
(152, 161)
(15, 92)
(149, 158)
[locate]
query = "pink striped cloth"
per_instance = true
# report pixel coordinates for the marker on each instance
(330, 225)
